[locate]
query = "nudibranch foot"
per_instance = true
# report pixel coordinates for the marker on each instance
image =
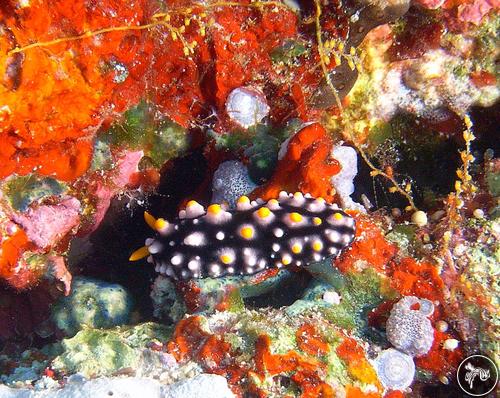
(292, 230)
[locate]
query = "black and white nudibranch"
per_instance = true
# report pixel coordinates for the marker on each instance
(292, 230)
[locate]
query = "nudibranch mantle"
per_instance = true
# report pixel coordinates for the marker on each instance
(292, 230)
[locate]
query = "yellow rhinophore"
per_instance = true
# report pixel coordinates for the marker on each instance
(139, 254)
(160, 224)
(150, 220)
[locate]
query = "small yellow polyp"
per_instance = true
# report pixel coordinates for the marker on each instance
(243, 199)
(295, 217)
(150, 220)
(139, 254)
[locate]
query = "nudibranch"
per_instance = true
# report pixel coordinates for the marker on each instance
(292, 230)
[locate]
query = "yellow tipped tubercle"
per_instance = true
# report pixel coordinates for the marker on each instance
(192, 203)
(263, 212)
(317, 246)
(214, 209)
(243, 199)
(150, 220)
(139, 254)
(226, 259)
(160, 224)
(295, 217)
(247, 232)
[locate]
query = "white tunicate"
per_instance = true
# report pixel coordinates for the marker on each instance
(331, 297)
(246, 106)
(396, 370)
(343, 182)
(451, 344)
(230, 181)
(408, 328)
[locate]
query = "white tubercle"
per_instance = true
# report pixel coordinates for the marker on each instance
(283, 195)
(176, 259)
(297, 199)
(194, 209)
(155, 247)
(317, 205)
(195, 239)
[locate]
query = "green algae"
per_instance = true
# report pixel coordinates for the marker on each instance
(98, 352)
(21, 191)
(359, 292)
(101, 157)
(260, 145)
(483, 269)
(289, 52)
(493, 182)
(92, 303)
(403, 236)
(160, 139)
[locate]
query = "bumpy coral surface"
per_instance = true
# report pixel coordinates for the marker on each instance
(375, 279)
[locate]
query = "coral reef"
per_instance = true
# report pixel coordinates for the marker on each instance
(375, 279)
(97, 352)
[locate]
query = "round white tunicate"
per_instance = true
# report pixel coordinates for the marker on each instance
(246, 106)
(395, 369)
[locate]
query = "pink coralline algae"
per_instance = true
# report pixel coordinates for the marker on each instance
(45, 225)
(476, 10)
(103, 189)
